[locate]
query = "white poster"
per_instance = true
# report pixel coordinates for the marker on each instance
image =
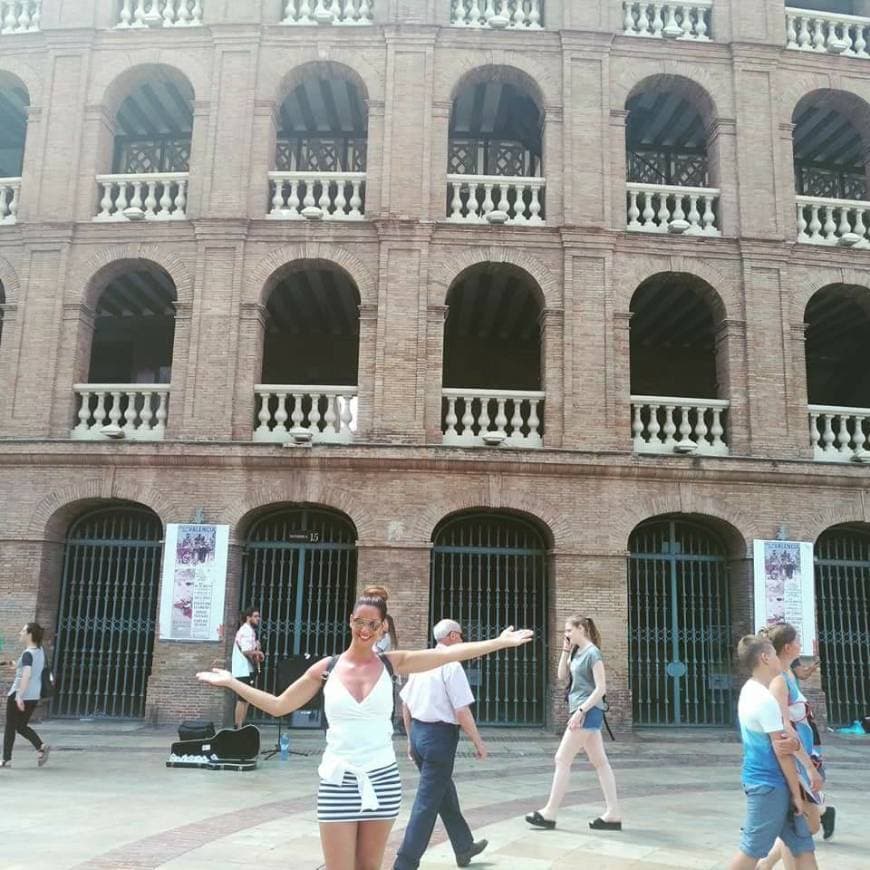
(785, 588)
(194, 582)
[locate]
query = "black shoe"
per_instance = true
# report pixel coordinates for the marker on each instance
(829, 816)
(600, 825)
(464, 859)
(539, 821)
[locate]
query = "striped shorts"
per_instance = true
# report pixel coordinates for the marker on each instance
(342, 803)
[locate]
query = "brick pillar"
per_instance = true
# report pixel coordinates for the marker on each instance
(31, 168)
(180, 358)
(552, 324)
(98, 135)
(9, 341)
(619, 413)
(437, 193)
(785, 181)
(731, 376)
(368, 335)
(265, 137)
(436, 315)
(554, 166)
(798, 407)
(249, 369)
(722, 160)
(403, 568)
(74, 353)
(616, 209)
(375, 204)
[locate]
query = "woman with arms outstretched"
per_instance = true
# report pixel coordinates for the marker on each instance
(360, 792)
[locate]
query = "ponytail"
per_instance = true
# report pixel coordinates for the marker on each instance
(589, 627)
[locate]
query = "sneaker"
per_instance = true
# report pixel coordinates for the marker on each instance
(464, 859)
(829, 816)
(42, 755)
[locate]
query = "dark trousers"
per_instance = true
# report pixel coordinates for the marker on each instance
(16, 721)
(433, 746)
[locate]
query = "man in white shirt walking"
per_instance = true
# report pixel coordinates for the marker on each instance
(435, 706)
(247, 656)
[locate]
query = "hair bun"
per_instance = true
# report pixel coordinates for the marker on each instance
(376, 592)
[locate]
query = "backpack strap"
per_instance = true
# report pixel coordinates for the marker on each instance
(333, 661)
(388, 665)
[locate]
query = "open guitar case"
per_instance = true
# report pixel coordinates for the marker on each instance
(229, 749)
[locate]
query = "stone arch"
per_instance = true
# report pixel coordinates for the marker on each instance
(243, 525)
(732, 523)
(17, 73)
(486, 497)
(299, 493)
(88, 279)
(259, 277)
(10, 281)
(112, 84)
(447, 271)
(325, 68)
(832, 516)
(811, 282)
(542, 527)
(522, 70)
(796, 89)
(694, 83)
(635, 271)
(708, 292)
(52, 516)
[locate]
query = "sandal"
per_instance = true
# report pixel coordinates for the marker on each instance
(539, 821)
(600, 825)
(42, 755)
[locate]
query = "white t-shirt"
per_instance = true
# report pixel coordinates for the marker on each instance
(760, 716)
(435, 696)
(245, 641)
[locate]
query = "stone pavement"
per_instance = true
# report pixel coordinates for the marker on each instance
(106, 801)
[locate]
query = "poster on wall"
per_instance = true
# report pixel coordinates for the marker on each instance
(194, 581)
(785, 588)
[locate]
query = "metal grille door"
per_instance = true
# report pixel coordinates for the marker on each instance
(108, 612)
(489, 571)
(843, 613)
(300, 573)
(679, 626)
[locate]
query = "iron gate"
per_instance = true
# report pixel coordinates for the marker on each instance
(843, 613)
(299, 571)
(679, 626)
(108, 612)
(489, 571)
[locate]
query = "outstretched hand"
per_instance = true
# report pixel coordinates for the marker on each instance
(518, 637)
(215, 677)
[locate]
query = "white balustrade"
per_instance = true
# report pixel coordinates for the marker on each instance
(839, 434)
(135, 412)
(665, 208)
(317, 195)
(289, 412)
(10, 190)
(498, 14)
(348, 12)
(668, 20)
(665, 424)
(160, 13)
(495, 199)
(822, 221)
(20, 16)
(151, 196)
(473, 418)
(807, 30)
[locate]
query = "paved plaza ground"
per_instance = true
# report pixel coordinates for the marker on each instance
(106, 801)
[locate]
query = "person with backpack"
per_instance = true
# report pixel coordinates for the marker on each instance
(581, 661)
(360, 791)
(435, 706)
(27, 689)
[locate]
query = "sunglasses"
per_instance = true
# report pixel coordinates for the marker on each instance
(370, 624)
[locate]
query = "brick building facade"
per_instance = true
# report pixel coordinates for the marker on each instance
(587, 273)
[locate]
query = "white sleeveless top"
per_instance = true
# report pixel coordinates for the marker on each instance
(360, 734)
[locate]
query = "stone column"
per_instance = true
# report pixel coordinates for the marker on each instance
(436, 315)
(249, 368)
(552, 323)
(368, 354)
(615, 208)
(730, 352)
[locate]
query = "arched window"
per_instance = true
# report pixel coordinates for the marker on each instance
(492, 358)
(838, 384)
(126, 394)
(671, 172)
(14, 103)
(320, 158)
(675, 389)
(308, 388)
(495, 149)
(153, 127)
